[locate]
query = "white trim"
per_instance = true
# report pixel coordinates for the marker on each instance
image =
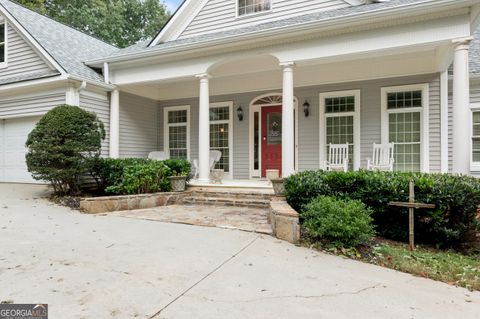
(4, 64)
(32, 40)
(230, 133)
(166, 126)
(474, 166)
(424, 119)
(444, 122)
(356, 124)
(257, 108)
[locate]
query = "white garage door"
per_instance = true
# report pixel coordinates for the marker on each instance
(13, 135)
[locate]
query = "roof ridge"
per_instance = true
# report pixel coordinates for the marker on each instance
(59, 22)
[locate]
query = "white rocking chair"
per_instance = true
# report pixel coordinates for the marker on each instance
(383, 157)
(158, 156)
(337, 158)
(215, 157)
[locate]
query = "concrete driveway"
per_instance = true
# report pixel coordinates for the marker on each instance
(114, 267)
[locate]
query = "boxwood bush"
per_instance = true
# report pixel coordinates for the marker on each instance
(137, 175)
(339, 222)
(456, 198)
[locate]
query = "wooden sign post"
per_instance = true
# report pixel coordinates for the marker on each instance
(411, 205)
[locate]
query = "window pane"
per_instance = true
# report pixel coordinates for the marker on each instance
(177, 138)
(2, 33)
(400, 100)
(404, 131)
(340, 104)
(274, 128)
(219, 142)
(177, 117)
(256, 137)
(340, 131)
(220, 113)
(476, 149)
(253, 6)
(2, 52)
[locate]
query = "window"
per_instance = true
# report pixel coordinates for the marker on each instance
(476, 136)
(221, 133)
(253, 6)
(340, 124)
(404, 116)
(177, 131)
(3, 43)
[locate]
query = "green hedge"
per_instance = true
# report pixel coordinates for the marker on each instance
(456, 198)
(137, 175)
(339, 222)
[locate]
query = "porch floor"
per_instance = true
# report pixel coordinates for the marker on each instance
(237, 185)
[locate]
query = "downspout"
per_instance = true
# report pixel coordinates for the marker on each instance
(78, 91)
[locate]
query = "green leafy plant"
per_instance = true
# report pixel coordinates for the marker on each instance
(63, 146)
(179, 167)
(456, 198)
(140, 178)
(340, 222)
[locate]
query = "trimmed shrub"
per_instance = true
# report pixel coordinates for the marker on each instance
(456, 198)
(109, 171)
(140, 178)
(340, 222)
(63, 146)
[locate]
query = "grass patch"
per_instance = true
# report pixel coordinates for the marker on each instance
(447, 266)
(450, 267)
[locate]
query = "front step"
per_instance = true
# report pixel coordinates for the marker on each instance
(226, 201)
(245, 194)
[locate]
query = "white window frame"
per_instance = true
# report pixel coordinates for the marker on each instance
(4, 64)
(424, 118)
(166, 126)
(230, 133)
(356, 125)
(240, 16)
(474, 166)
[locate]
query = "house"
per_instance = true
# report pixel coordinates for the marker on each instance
(269, 83)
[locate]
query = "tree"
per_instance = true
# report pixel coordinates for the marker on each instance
(64, 145)
(119, 22)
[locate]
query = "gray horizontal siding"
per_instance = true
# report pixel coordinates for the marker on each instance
(100, 105)
(30, 105)
(221, 14)
(138, 126)
(308, 127)
(22, 58)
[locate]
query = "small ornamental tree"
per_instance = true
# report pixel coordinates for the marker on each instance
(63, 146)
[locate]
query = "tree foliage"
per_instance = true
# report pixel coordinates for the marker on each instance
(119, 22)
(63, 146)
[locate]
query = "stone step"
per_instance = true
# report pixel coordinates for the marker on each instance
(226, 201)
(231, 194)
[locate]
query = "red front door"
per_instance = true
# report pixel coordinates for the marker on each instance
(271, 138)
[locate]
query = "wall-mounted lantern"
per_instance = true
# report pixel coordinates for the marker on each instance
(306, 108)
(240, 113)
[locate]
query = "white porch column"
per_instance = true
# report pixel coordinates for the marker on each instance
(204, 129)
(461, 109)
(114, 124)
(288, 134)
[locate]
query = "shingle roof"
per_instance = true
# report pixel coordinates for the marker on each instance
(69, 47)
(279, 24)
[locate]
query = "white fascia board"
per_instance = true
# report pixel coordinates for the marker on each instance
(179, 21)
(38, 47)
(355, 2)
(334, 23)
(102, 85)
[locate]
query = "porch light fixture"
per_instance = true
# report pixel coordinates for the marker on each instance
(240, 113)
(306, 108)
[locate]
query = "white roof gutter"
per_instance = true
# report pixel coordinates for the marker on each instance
(328, 22)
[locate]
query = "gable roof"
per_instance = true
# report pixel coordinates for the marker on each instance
(284, 25)
(67, 46)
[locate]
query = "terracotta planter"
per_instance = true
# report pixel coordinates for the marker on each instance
(216, 176)
(278, 186)
(178, 183)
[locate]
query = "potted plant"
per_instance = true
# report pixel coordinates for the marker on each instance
(180, 173)
(278, 186)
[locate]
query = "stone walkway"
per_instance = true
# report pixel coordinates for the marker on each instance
(241, 218)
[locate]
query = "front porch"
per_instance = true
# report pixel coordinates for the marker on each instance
(281, 109)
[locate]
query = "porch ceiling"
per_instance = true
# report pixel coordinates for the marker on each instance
(262, 72)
